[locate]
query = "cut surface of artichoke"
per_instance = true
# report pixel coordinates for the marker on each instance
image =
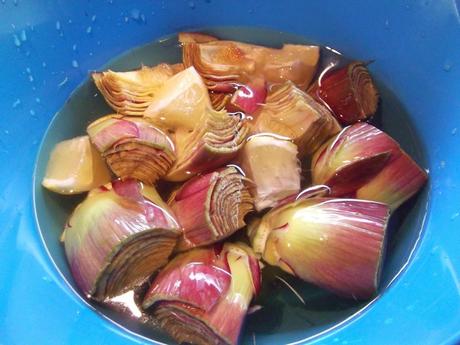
(130, 93)
(117, 237)
(133, 147)
(75, 166)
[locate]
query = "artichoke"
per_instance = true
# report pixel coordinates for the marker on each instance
(117, 237)
(130, 93)
(364, 162)
(75, 166)
(211, 207)
(271, 163)
(229, 61)
(290, 112)
(202, 296)
(132, 147)
(349, 92)
(336, 244)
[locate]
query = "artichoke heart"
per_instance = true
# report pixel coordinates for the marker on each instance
(118, 236)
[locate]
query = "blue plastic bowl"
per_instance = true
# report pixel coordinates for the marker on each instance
(46, 51)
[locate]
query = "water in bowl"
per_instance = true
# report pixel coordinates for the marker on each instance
(291, 310)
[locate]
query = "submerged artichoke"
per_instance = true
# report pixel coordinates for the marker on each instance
(231, 61)
(349, 92)
(364, 162)
(132, 147)
(117, 237)
(211, 207)
(216, 140)
(202, 296)
(180, 103)
(292, 113)
(75, 166)
(130, 93)
(271, 163)
(336, 244)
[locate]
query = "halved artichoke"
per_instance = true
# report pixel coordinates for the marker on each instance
(202, 296)
(211, 207)
(216, 140)
(336, 244)
(133, 147)
(364, 162)
(117, 237)
(349, 92)
(130, 93)
(231, 61)
(292, 113)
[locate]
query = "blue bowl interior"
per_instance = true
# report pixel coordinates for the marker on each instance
(284, 318)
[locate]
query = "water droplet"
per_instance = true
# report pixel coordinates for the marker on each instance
(6, 132)
(93, 18)
(136, 15)
(46, 279)
(16, 103)
(387, 24)
(442, 164)
(388, 321)
(23, 36)
(410, 308)
(16, 40)
(455, 215)
(28, 70)
(69, 21)
(98, 43)
(37, 99)
(75, 63)
(90, 54)
(454, 131)
(44, 64)
(447, 66)
(63, 82)
(191, 5)
(58, 25)
(32, 112)
(74, 47)
(89, 29)
(126, 19)
(31, 78)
